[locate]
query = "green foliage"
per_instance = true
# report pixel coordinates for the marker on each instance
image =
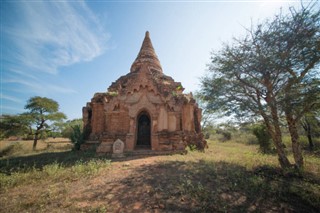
(28, 137)
(192, 147)
(113, 94)
(40, 105)
(43, 135)
(245, 138)
(15, 125)
(56, 129)
(174, 93)
(42, 110)
(225, 133)
(310, 123)
(77, 136)
(273, 69)
(179, 87)
(263, 136)
(67, 127)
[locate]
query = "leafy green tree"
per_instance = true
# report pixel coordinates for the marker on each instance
(15, 125)
(42, 110)
(298, 57)
(271, 72)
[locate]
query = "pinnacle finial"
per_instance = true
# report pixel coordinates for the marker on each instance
(146, 56)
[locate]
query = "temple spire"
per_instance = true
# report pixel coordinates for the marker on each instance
(146, 56)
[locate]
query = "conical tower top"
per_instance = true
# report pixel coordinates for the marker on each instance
(146, 56)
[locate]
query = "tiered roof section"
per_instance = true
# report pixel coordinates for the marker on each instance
(146, 68)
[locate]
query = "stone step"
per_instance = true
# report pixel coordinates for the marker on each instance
(89, 145)
(153, 152)
(92, 142)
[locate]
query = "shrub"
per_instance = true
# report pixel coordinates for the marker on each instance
(192, 147)
(245, 137)
(207, 135)
(226, 135)
(77, 137)
(264, 139)
(28, 137)
(43, 135)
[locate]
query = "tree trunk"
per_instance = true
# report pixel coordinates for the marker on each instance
(36, 134)
(283, 160)
(307, 127)
(275, 133)
(35, 141)
(310, 140)
(273, 126)
(296, 148)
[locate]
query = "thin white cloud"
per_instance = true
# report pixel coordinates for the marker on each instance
(52, 34)
(38, 87)
(38, 38)
(23, 74)
(10, 98)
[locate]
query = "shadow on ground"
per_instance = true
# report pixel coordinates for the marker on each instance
(24, 163)
(66, 158)
(175, 186)
(143, 184)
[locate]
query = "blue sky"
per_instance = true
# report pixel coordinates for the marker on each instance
(69, 50)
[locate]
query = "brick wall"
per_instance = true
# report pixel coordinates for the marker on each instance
(97, 118)
(117, 122)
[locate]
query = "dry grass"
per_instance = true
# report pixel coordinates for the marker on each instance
(228, 177)
(24, 147)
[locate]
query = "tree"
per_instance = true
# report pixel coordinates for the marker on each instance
(207, 116)
(67, 127)
(42, 110)
(15, 125)
(311, 125)
(271, 72)
(56, 129)
(298, 56)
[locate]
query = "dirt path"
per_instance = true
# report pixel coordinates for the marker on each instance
(134, 185)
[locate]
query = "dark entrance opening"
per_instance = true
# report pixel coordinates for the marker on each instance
(144, 131)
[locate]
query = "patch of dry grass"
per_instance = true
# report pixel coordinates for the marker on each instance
(24, 147)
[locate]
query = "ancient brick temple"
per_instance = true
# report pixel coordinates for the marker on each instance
(145, 109)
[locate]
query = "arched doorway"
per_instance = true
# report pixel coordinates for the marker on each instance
(144, 131)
